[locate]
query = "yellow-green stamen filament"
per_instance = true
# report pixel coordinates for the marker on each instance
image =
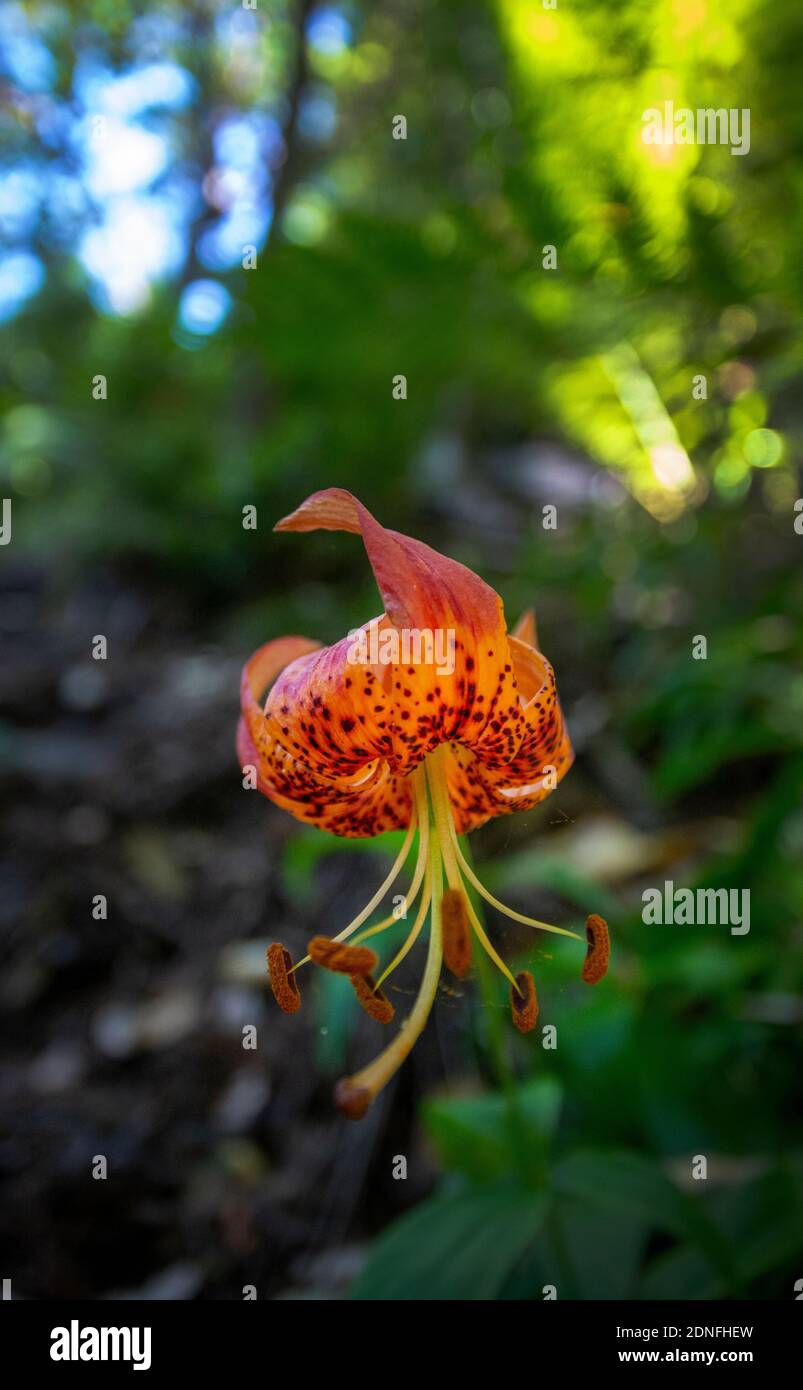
(439, 856)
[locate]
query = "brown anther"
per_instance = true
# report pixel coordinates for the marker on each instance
(598, 953)
(346, 960)
(284, 985)
(373, 1000)
(524, 1002)
(456, 933)
(352, 1101)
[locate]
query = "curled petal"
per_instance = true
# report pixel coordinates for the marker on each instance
(331, 713)
(351, 792)
(343, 726)
(482, 785)
(458, 683)
(418, 585)
(525, 629)
(258, 674)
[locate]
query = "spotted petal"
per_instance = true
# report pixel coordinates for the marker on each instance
(437, 607)
(349, 793)
(342, 727)
(484, 786)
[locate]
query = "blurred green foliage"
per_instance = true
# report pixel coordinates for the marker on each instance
(424, 256)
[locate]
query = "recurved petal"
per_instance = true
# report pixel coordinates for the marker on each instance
(525, 629)
(451, 675)
(355, 810)
(306, 761)
(418, 585)
(483, 784)
(331, 712)
(254, 740)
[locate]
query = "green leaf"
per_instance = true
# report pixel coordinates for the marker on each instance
(462, 1246)
(682, 1273)
(762, 1223)
(473, 1133)
(593, 1251)
(625, 1182)
(628, 1182)
(623, 1179)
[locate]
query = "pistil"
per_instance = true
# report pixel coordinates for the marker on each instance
(355, 1093)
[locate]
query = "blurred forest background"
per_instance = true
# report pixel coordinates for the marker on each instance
(145, 147)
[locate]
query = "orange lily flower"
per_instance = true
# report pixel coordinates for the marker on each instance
(431, 718)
